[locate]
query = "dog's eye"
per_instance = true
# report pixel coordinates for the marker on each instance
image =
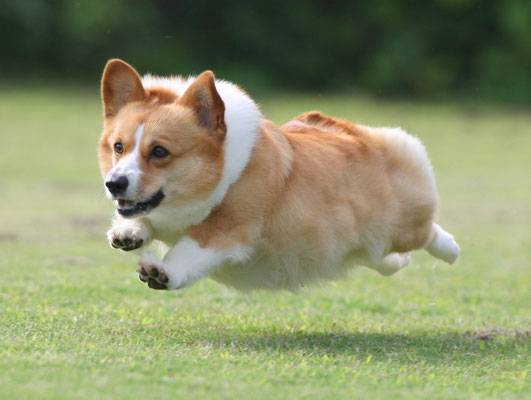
(159, 152)
(118, 148)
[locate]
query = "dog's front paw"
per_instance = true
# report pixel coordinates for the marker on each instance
(128, 237)
(151, 271)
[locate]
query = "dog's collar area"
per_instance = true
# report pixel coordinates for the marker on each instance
(128, 208)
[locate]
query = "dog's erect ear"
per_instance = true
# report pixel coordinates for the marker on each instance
(120, 85)
(204, 99)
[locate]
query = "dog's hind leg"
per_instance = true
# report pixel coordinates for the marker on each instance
(391, 263)
(443, 245)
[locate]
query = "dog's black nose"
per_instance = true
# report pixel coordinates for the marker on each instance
(118, 185)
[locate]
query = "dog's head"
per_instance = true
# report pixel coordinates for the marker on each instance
(157, 146)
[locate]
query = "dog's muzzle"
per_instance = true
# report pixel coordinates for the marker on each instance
(129, 208)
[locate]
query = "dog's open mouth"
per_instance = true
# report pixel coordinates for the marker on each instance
(129, 208)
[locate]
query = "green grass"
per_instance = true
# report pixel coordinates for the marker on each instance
(76, 323)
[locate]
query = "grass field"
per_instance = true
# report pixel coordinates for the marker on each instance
(76, 323)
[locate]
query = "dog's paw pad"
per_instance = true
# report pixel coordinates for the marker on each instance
(127, 238)
(163, 278)
(126, 243)
(153, 275)
(154, 284)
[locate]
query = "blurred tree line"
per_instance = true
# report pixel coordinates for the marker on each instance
(430, 49)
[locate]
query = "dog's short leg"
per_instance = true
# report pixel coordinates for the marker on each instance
(128, 234)
(184, 264)
(443, 245)
(391, 263)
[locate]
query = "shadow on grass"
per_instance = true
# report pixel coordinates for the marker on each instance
(428, 346)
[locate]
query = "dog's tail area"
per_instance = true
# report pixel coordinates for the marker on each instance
(443, 245)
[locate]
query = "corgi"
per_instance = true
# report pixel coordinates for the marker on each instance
(192, 163)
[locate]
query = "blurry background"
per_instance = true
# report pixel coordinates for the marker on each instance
(476, 49)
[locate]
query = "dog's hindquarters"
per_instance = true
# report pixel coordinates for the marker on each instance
(414, 187)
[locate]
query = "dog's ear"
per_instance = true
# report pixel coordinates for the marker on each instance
(120, 85)
(203, 98)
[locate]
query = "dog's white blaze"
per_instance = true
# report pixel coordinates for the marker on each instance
(129, 166)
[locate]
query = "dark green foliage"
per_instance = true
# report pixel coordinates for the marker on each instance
(432, 49)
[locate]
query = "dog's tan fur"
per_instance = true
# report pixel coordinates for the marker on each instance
(318, 195)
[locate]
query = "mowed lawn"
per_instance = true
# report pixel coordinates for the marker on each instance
(75, 322)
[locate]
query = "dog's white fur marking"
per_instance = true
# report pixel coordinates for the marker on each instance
(443, 246)
(187, 262)
(129, 167)
(392, 263)
(243, 119)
